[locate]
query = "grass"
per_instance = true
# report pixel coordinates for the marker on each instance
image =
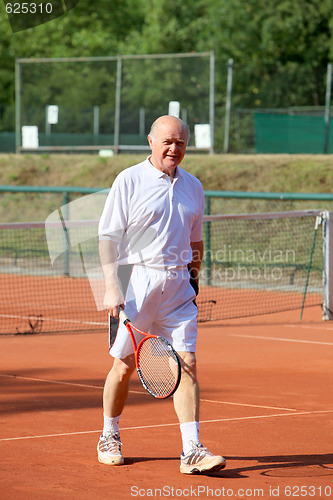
(267, 173)
(290, 173)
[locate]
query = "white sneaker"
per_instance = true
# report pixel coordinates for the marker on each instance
(199, 459)
(109, 449)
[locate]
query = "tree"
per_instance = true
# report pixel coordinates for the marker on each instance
(280, 48)
(90, 29)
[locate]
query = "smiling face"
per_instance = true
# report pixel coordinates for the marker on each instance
(168, 140)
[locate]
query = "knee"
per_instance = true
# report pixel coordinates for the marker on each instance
(123, 368)
(189, 364)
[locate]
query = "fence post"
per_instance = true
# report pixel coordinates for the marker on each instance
(328, 266)
(66, 239)
(327, 106)
(212, 100)
(117, 105)
(208, 261)
(17, 106)
(228, 106)
(96, 121)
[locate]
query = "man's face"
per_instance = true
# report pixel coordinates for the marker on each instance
(168, 145)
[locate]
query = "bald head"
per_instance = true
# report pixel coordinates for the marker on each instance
(168, 121)
(168, 139)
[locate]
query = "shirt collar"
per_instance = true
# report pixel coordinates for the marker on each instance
(158, 173)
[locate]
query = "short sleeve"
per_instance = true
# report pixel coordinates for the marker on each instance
(196, 232)
(113, 222)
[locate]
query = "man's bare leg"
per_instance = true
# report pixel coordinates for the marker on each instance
(116, 386)
(186, 398)
(114, 398)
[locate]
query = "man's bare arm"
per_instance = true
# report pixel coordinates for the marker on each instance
(197, 255)
(113, 295)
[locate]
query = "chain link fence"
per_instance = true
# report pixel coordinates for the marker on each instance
(110, 102)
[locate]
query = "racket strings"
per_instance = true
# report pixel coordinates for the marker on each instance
(159, 367)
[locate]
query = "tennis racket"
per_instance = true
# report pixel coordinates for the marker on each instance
(156, 361)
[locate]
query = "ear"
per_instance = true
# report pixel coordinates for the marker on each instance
(150, 141)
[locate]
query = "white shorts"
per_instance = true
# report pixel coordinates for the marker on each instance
(161, 303)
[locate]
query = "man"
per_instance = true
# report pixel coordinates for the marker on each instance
(153, 220)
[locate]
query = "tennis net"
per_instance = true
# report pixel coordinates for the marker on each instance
(38, 296)
(253, 264)
(261, 263)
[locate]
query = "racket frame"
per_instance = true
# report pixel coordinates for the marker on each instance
(130, 327)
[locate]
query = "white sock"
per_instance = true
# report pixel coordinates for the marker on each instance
(190, 433)
(111, 424)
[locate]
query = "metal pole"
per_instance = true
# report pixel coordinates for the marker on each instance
(117, 105)
(110, 58)
(317, 223)
(208, 260)
(17, 106)
(328, 106)
(142, 121)
(47, 123)
(66, 238)
(212, 99)
(328, 265)
(228, 106)
(96, 120)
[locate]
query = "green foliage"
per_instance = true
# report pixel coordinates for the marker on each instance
(172, 26)
(280, 48)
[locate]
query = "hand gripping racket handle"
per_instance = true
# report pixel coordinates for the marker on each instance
(123, 317)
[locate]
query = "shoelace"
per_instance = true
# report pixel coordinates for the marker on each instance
(198, 453)
(112, 443)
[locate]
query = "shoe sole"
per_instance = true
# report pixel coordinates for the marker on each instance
(117, 460)
(200, 470)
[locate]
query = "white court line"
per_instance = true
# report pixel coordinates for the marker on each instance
(280, 339)
(61, 382)
(56, 320)
(311, 327)
(244, 404)
(144, 393)
(155, 426)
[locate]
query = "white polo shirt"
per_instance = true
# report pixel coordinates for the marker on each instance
(153, 219)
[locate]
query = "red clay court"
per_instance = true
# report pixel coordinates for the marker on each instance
(266, 405)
